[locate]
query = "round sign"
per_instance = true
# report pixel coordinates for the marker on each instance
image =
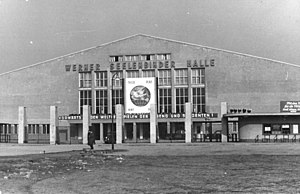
(140, 96)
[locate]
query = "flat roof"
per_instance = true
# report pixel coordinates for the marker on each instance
(261, 114)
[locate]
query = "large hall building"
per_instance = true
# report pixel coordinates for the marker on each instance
(151, 89)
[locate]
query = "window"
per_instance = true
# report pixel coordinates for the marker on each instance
(285, 129)
(295, 128)
(46, 129)
(149, 73)
(163, 56)
(101, 102)
(85, 97)
(199, 100)
(101, 79)
(165, 101)
(131, 58)
(164, 77)
(198, 76)
(181, 76)
(147, 57)
(117, 98)
(115, 58)
(117, 82)
(85, 80)
(267, 129)
(181, 99)
(132, 74)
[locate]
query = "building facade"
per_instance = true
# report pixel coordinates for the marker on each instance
(237, 96)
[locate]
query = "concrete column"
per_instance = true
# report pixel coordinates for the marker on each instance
(168, 127)
(119, 123)
(188, 122)
(53, 125)
(153, 123)
(141, 133)
(101, 133)
(134, 132)
(85, 123)
(224, 121)
(22, 124)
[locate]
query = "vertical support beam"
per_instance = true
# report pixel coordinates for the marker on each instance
(134, 131)
(168, 127)
(53, 125)
(22, 123)
(224, 122)
(153, 123)
(188, 122)
(85, 123)
(119, 123)
(141, 133)
(101, 133)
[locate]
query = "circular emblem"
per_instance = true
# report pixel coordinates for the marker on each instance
(140, 96)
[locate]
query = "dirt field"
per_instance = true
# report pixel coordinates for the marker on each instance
(159, 168)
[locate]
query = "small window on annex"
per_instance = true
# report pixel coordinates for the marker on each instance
(115, 58)
(147, 57)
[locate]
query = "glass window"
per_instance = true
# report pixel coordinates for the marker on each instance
(131, 58)
(101, 102)
(295, 128)
(267, 129)
(164, 77)
(181, 99)
(181, 76)
(163, 56)
(101, 79)
(132, 74)
(147, 57)
(165, 101)
(149, 73)
(117, 98)
(117, 82)
(46, 129)
(115, 58)
(85, 97)
(198, 76)
(85, 80)
(199, 100)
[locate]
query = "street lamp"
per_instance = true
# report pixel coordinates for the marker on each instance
(114, 77)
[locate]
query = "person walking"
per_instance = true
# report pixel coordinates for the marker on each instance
(91, 139)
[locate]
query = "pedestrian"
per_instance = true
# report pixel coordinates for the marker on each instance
(91, 139)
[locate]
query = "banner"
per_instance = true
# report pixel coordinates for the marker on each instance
(140, 93)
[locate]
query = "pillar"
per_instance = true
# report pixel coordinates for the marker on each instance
(22, 124)
(153, 123)
(86, 123)
(53, 125)
(134, 132)
(224, 121)
(141, 133)
(188, 122)
(119, 123)
(101, 133)
(168, 128)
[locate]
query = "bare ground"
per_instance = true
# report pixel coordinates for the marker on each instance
(200, 168)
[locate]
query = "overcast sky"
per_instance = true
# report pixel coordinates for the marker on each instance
(33, 31)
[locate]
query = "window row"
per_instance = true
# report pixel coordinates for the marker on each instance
(164, 100)
(147, 57)
(277, 129)
(30, 129)
(164, 77)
